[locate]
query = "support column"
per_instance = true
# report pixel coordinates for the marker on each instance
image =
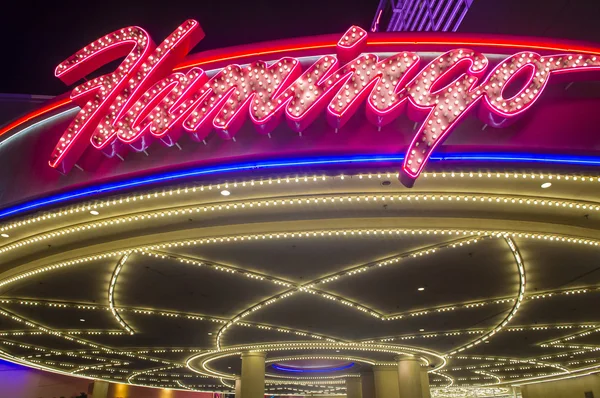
(368, 384)
(409, 377)
(238, 387)
(386, 381)
(425, 383)
(253, 374)
(99, 389)
(353, 387)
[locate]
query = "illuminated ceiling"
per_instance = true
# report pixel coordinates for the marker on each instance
(487, 277)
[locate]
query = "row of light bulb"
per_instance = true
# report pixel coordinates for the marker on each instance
(333, 200)
(94, 206)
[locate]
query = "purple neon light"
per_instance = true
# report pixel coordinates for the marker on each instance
(421, 15)
(311, 370)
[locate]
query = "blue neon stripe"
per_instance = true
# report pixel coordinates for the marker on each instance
(284, 163)
(309, 370)
(518, 157)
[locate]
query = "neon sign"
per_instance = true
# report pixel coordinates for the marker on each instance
(144, 100)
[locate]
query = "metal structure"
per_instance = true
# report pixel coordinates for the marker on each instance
(420, 15)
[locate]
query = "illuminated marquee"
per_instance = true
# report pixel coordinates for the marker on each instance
(143, 100)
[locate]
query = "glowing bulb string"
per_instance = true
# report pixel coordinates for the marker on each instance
(520, 295)
(152, 311)
(307, 287)
(187, 259)
(111, 294)
(556, 238)
(84, 342)
(421, 199)
(322, 233)
(462, 332)
(185, 191)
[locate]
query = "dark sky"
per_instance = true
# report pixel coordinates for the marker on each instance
(37, 35)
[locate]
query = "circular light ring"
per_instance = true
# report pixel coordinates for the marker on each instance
(111, 202)
(359, 232)
(307, 235)
(352, 232)
(293, 200)
(322, 357)
(205, 358)
(549, 237)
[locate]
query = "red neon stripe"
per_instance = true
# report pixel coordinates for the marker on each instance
(241, 54)
(34, 114)
(524, 45)
(420, 40)
(403, 41)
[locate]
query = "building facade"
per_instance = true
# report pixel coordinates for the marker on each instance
(365, 214)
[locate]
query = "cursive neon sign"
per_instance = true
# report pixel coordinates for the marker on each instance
(144, 100)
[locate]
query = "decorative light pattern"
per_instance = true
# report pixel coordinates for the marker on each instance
(352, 42)
(220, 267)
(86, 368)
(222, 101)
(306, 179)
(471, 392)
(55, 333)
(103, 88)
(205, 358)
(443, 100)
(106, 98)
(111, 292)
(308, 288)
(143, 123)
(477, 235)
(563, 340)
(322, 200)
(465, 332)
(508, 361)
(519, 300)
(435, 93)
(307, 234)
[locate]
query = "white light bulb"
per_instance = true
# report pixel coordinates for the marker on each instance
(546, 185)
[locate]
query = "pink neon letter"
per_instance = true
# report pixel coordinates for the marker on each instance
(441, 99)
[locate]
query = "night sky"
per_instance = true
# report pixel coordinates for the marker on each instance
(37, 35)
